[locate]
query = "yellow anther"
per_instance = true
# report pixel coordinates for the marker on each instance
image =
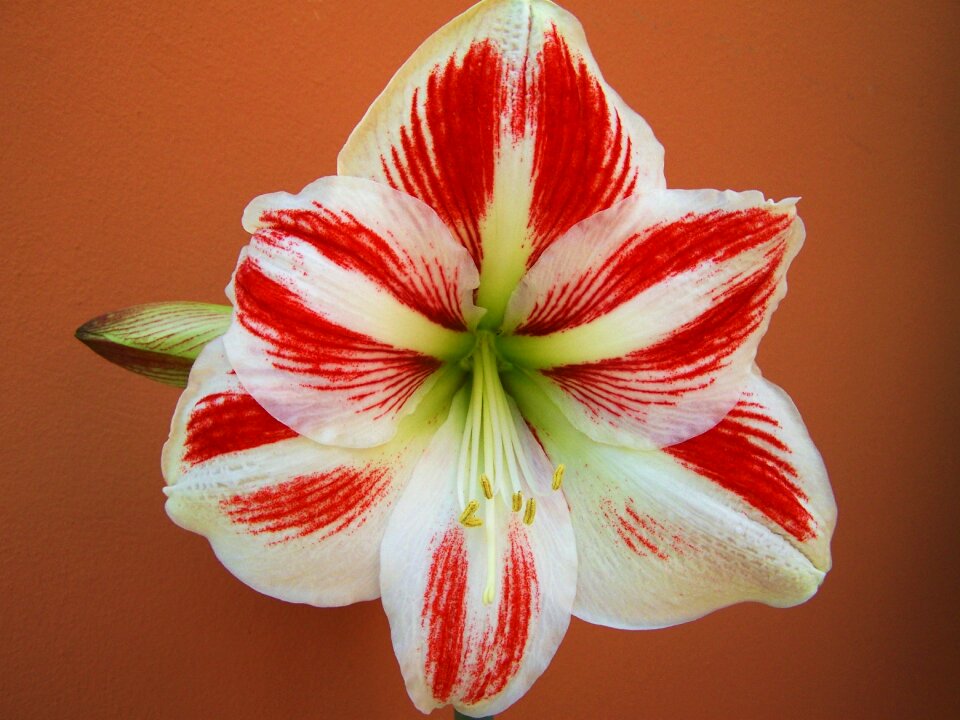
(487, 487)
(530, 512)
(517, 501)
(558, 476)
(468, 518)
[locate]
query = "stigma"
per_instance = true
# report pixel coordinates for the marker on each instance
(493, 468)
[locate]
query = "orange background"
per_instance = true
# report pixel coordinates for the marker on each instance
(133, 134)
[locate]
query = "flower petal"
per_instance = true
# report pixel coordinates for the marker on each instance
(289, 517)
(502, 123)
(643, 321)
(347, 300)
(453, 648)
(742, 512)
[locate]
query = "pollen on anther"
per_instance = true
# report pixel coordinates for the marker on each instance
(467, 517)
(558, 476)
(530, 512)
(517, 501)
(487, 487)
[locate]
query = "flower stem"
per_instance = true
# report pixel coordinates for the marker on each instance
(457, 715)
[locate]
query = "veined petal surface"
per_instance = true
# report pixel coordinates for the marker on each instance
(291, 518)
(741, 512)
(453, 648)
(347, 301)
(643, 321)
(503, 124)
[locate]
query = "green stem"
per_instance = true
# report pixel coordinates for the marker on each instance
(457, 715)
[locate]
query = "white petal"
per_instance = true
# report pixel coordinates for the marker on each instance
(293, 519)
(503, 124)
(347, 301)
(642, 322)
(453, 648)
(743, 512)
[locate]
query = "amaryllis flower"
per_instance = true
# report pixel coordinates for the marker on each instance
(496, 374)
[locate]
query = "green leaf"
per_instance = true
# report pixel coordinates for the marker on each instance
(157, 340)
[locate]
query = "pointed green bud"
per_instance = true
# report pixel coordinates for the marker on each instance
(157, 340)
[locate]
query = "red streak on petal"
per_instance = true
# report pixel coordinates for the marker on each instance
(418, 283)
(444, 614)
(380, 377)
(448, 148)
(229, 422)
(683, 362)
(744, 455)
(651, 257)
(640, 533)
(501, 651)
(325, 503)
(536, 436)
(581, 154)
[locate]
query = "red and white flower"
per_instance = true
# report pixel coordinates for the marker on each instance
(496, 374)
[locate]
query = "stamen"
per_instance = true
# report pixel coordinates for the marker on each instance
(493, 458)
(468, 518)
(558, 476)
(488, 592)
(487, 488)
(530, 512)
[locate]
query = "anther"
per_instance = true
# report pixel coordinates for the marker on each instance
(487, 487)
(530, 512)
(468, 518)
(517, 501)
(558, 476)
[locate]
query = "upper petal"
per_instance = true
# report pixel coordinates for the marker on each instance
(741, 512)
(502, 122)
(347, 301)
(452, 647)
(642, 322)
(291, 518)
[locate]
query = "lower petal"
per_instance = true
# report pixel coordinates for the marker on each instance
(743, 512)
(291, 518)
(452, 647)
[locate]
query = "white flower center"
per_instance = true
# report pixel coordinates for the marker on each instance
(492, 464)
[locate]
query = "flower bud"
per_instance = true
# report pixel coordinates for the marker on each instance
(158, 340)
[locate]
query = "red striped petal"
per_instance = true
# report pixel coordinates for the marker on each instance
(644, 319)
(227, 422)
(467, 663)
(747, 454)
(289, 517)
(374, 377)
(452, 647)
(441, 157)
(678, 365)
(584, 159)
(742, 512)
(649, 256)
(320, 503)
(348, 300)
(504, 125)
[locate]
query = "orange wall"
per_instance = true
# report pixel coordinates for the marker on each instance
(133, 134)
